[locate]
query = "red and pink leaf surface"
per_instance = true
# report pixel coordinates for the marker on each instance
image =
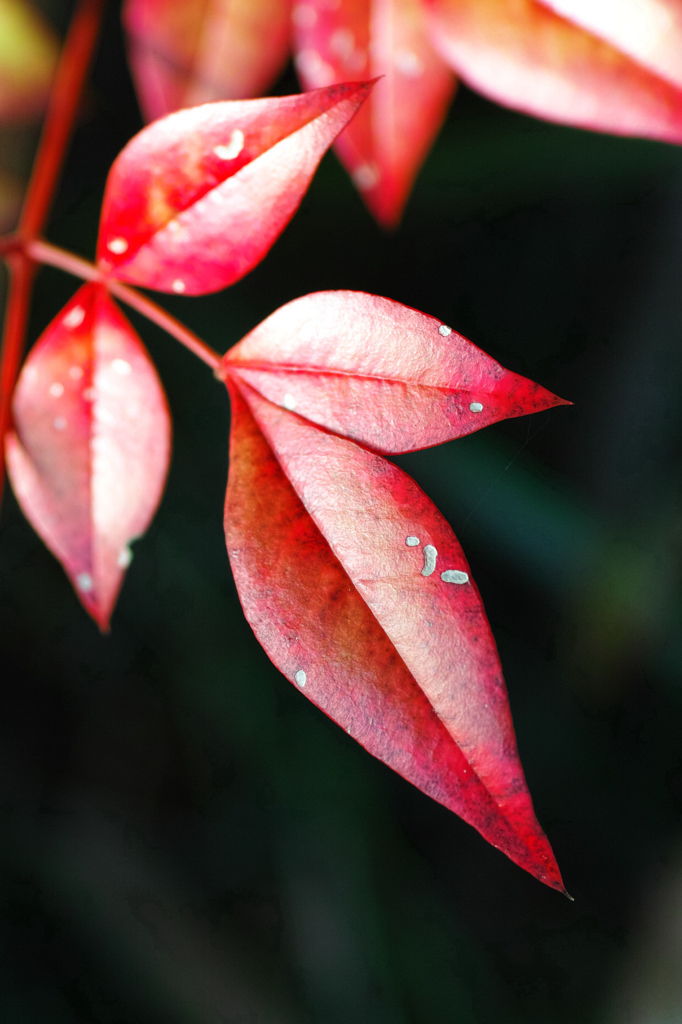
(196, 200)
(608, 67)
(360, 594)
(385, 146)
(196, 51)
(90, 449)
(378, 372)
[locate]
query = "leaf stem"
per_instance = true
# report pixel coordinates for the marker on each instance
(62, 108)
(44, 252)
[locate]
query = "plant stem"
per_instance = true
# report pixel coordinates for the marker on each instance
(62, 108)
(65, 99)
(44, 252)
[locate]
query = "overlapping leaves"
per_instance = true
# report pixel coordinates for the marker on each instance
(352, 580)
(612, 67)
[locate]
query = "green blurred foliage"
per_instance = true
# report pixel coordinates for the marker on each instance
(185, 839)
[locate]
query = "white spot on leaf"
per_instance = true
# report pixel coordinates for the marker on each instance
(233, 147)
(121, 366)
(454, 576)
(59, 423)
(304, 16)
(301, 677)
(409, 64)
(75, 317)
(342, 43)
(289, 402)
(430, 556)
(178, 286)
(89, 394)
(444, 330)
(56, 389)
(117, 245)
(125, 558)
(84, 582)
(476, 407)
(366, 176)
(75, 372)
(412, 541)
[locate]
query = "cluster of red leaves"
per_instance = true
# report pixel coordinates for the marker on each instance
(352, 580)
(611, 67)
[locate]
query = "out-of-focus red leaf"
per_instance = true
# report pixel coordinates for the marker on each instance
(90, 448)
(379, 372)
(28, 55)
(523, 54)
(196, 200)
(386, 144)
(329, 545)
(185, 52)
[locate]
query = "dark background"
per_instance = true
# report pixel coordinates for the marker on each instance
(183, 837)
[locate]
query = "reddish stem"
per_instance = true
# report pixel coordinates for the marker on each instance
(43, 252)
(65, 99)
(62, 108)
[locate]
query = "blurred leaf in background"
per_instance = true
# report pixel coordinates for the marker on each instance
(28, 54)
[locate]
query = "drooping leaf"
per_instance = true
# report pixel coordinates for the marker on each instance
(194, 51)
(379, 372)
(359, 592)
(523, 54)
(89, 452)
(386, 144)
(28, 55)
(196, 200)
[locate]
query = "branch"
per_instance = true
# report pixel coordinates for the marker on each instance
(62, 108)
(44, 252)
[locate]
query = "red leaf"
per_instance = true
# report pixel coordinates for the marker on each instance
(196, 200)
(388, 141)
(521, 53)
(191, 51)
(327, 543)
(90, 451)
(379, 372)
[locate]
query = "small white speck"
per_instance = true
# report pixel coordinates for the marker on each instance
(476, 407)
(125, 558)
(89, 394)
(454, 576)
(301, 677)
(409, 64)
(121, 366)
(366, 176)
(75, 372)
(117, 245)
(75, 317)
(412, 541)
(56, 389)
(444, 330)
(59, 423)
(342, 43)
(430, 556)
(289, 402)
(84, 582)
(304, 16)
(178, 286)
(233, 148)
(311, 66)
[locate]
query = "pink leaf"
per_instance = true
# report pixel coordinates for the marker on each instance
(525, 55)
(387, 143)
(196, 200)
(90, 449)
(192, 51)
(359, 592)
(379, 372)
